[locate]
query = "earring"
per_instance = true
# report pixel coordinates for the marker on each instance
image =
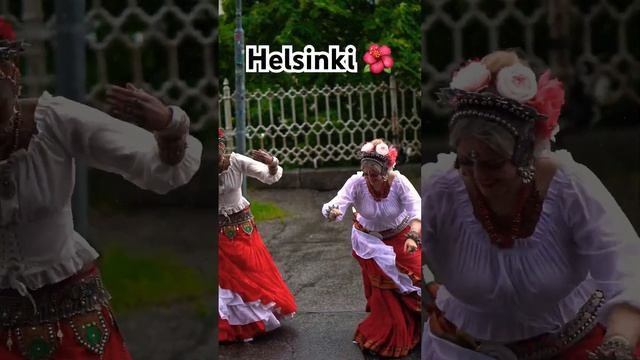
(527, 173)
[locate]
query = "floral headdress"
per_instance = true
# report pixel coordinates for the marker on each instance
(511, 97)
(220, 135)
(380, 154)
(9, 51)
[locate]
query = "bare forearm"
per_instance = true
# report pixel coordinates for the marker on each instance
(624, 320)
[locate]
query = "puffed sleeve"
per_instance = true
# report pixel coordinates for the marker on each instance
(432, 189)
(344, 198)
(258, 170)
(409, 198)
(604, 236)
(112, 145)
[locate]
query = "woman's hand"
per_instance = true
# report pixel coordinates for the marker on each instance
(410, 246)
(334, 214)
(262, 156)
(623, 334)
(265, 158)
(137, 106)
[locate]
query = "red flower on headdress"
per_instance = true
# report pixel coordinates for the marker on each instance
(6, 30)
(378, 58)
(220, 133)
(548, 101)
(393, 155)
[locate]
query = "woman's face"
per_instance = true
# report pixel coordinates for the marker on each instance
(492, 172)
(221, 149)
(373, 174)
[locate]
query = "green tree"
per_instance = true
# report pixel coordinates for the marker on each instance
(322, 23)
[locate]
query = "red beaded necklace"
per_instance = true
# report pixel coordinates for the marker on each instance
(379, 195)
(522, 222)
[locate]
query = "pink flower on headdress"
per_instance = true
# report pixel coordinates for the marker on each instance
(548, 101)
(368, 147)
(382, 149)
(378, 58)
(517, 82)
(472, 77)
(393, 155)
(6, 30)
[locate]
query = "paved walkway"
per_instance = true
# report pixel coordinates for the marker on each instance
(315, 260)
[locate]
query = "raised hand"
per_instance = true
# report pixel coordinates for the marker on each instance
(262, 156)
(137, 106)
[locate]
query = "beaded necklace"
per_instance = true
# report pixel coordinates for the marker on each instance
(523, 218)
(379, 195)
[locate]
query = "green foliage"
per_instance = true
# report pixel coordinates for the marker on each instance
(263, 211)
(139, 281)
(321, 23)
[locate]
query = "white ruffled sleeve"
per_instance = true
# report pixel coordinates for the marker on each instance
(113, 145)
(410, 198)
(604, 237)
(344, 198)
(258, 170)
(431, 203)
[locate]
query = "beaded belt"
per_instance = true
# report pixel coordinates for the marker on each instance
(231, 225)
(78, 295)
(385, 234)
(235, 218)
(551, 345)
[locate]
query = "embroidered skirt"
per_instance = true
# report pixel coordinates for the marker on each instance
(252, 296)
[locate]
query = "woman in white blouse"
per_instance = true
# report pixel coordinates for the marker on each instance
(529, 256)
(385, 239)
(252, 296)
(52, 301)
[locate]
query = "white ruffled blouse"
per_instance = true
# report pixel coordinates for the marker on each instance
(38, 245)
(230, 199)
(402, 201)
(582, 242)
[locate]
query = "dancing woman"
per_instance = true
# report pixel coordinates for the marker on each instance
(252, 297)
(53, 304)
(529, 256)
(385, 239)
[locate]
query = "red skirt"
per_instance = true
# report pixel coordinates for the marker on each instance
(246, 268)
(59, 341)
(393, 326)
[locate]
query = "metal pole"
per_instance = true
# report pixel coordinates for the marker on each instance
(240, 90)
(70, 83)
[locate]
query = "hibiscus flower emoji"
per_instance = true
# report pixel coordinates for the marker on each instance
(378, 59)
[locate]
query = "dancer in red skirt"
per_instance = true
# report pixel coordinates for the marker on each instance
(252, 297)
(385, 239)
(53, 304)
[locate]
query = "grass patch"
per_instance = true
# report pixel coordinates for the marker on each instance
(263, 211)
(140, 281)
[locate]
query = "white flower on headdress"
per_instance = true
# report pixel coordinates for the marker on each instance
(382, 149)
(368, 147)
(517, 82)
(473, 77)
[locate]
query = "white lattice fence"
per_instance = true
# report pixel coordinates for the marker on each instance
(165, 46)
(329, 124)
(598, 43)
